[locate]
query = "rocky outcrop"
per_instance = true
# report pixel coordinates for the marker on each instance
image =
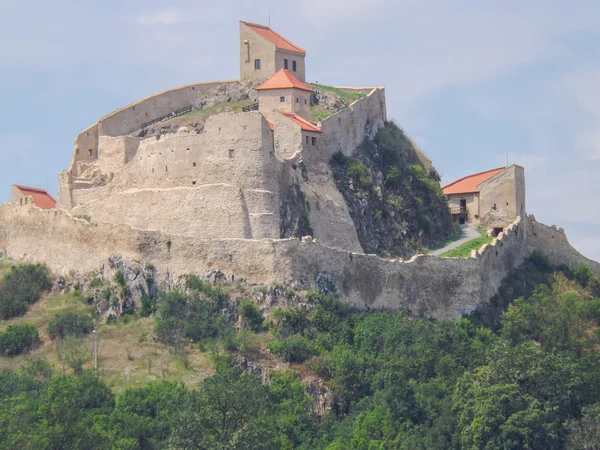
(394, 199)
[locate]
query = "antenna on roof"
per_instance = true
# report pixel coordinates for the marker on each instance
(269, 20)
(507, 160)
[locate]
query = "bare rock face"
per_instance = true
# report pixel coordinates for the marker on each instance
(327, 100)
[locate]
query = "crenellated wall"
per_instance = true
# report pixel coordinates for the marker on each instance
(426, 285)
(553, 242)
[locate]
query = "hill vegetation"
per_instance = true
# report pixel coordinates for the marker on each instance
(528, 378)
(393, 194)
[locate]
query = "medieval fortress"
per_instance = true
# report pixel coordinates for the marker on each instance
(216, 197)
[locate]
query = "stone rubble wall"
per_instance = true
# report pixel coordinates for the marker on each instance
(425, 285)
(553, 242)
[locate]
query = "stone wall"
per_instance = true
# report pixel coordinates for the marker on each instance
(223, 182)
(346, 130)
(296, 101)
(281, 55)
(502, 197)
(553, 242)
(426, 285)
(472, 202)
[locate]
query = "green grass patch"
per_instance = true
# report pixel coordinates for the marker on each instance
(216, 109)
(347, 97)
(464, 251)
(318, 113)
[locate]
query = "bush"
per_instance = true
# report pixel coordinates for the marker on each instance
(251, 315)
(148, 305)
(19, 339)
(538, 258)
(69, 324)
(293, 349)
(21, 287)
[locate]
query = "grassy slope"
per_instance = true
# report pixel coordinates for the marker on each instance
(318, 113)
(128, 354)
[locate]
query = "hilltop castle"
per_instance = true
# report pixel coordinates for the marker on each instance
(233, 194)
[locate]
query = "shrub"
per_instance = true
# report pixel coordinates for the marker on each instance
(21, 287)
(583, 274)
(251, 315)
(293, 349)
(69, 324)
(148, 305)
(538, 258)
(18, 339)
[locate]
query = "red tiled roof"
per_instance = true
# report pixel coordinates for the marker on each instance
(305, 124)
(41, 198)
(271, 125)
(271, 36)
(469, 183)
(284, 79)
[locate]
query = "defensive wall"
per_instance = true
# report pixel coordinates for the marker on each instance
(223, 182)
(554, 243)
(426, 285)
(130, 118)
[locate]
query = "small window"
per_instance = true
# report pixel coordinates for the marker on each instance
(77, 151)
(285, 64)
(297, 100)
(314, 141)
(257, 64)
(193, 182)
(91, 152)
(282, 99)
(305, 101)
(307, 140)
(294, 66)
(194, 164)
(231, 153)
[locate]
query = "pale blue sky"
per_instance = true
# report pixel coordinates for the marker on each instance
(469, 81)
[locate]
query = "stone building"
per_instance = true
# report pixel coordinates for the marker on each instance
(494, 198)
(263, 52)
(40, 197)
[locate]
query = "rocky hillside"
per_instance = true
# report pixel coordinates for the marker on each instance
(393, 194)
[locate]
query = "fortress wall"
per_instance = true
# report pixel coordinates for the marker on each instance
(125, 120)
(426, 285)
(359, 90)
(287, 135)
(86, 148)
(115, 152)
(553, 242)
(220, 183)
(67, 245)
(347, 129)
(502, 197)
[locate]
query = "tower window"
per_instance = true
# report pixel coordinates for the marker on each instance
(307, 140)
(282, 99)
(231, 153)
(297, 99)
(285, 64)
(294, 66)
(257, 64)
(314, 141)
(91, 152)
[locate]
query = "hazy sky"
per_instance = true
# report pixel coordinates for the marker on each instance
(470, 81)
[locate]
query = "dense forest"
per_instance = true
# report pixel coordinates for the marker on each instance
(523, 377)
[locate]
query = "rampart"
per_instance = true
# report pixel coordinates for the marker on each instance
(426, 285)
(223, 182)
(127, 119)
(553, 242)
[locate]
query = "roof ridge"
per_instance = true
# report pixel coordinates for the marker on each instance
(29, 188)
(472, 175)
(292, 79)
(293, 47)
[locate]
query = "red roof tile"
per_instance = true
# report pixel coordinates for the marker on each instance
(284, 79)
(305, 124)
(469, 183)
(41, 198)
(271, 36)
